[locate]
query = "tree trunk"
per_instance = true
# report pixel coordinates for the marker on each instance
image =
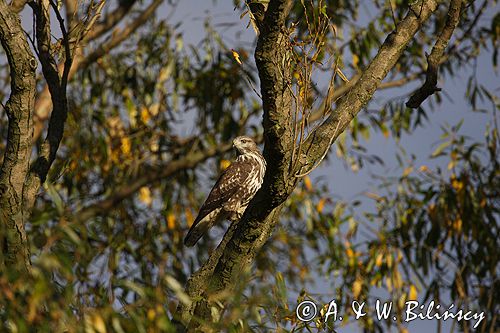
(13, 172)
(273, 62)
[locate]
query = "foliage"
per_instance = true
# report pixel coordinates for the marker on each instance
(146, 135)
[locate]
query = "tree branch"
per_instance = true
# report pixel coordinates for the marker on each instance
(57, 87)
(111, 19)
(19, 108)
(434, 59)
(44, 102)
(18, 5)
(262, 214)
(273, 58)
(149, 176)
(119, 34)
(370, 80)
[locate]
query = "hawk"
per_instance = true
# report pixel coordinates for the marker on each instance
(232, 192)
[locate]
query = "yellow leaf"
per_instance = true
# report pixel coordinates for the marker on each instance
(236, 56)
(307, 183)
(356, 287)
(355, 60)
(412, 296)
(321, 205)
(397, 281)
(388, 283)
(379, 260)
(349, 252)
(145, 195)
(145, 114)
(457, 225)
(151, 314)
(407, 171)
(402, 300)
(388, 260)
(451, 165)
(224, 164)
(424, 168)
(457, 185)
(125, 146)
(375, 280)
(154, 109)
(400, 256)
(385, 132)
(154, 146)
(189, 217)
(98, 324)
(170, 221)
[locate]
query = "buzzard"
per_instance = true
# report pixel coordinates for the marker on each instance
(232, 192)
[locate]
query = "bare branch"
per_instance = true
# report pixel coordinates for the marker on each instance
(111, 20)
(88, 24)
(434, 59)
(119, 34)
(68, 54)
(57, 88)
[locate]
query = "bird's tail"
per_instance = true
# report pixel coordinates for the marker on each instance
(200, 228)
(196, 232)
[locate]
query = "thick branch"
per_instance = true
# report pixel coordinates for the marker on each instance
(260, 217)
(434, 59)
(14, 169)
(273, 58)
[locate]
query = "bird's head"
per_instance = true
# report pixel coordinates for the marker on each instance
(244, 144)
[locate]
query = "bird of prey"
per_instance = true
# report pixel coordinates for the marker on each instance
(232, 192)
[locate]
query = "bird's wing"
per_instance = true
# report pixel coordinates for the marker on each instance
(226, 186)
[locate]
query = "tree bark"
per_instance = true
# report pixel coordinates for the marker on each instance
(20, 182)
(19, 108)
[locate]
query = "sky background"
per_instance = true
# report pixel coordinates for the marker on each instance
(342, 181)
